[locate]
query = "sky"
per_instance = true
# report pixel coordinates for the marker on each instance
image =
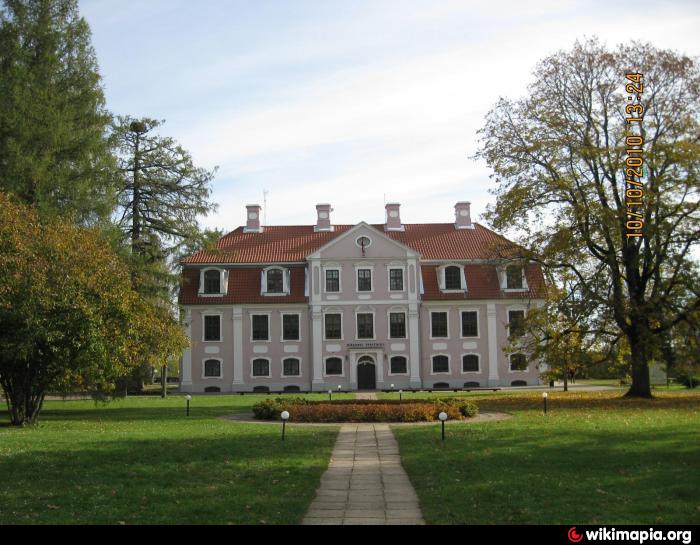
(355, 103)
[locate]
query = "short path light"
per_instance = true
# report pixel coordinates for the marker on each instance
(330, 395)
(392, 387)
(188, 397)
(400, 395)
(544, 401)
(443, 416)
(339, 388)
(285, 417)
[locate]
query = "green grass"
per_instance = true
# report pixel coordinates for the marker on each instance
(142, 461)
(594, 459)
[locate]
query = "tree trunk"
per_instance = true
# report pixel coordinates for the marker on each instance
(641, 385)
(164, 381)
(23, 405)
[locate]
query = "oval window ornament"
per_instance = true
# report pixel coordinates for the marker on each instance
(363, 242)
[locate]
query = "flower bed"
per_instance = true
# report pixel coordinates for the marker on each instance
(302, 410)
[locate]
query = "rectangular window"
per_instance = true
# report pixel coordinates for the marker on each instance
(518, 362)
(275, 281)
(261, 368)
(453, 278)
(364, 279)
(212, 328)
(470, 326)
(397, 325)
(332, 281)
(514, 277)
(516, 320)
(333, 326)
(290, 327)
(334, 366)
(212, 282)
(261, 328)
(395, 279)
(290, 367)
(398, 365)
(470, 363)
(441, 364)
(438, 324)
(365, 326)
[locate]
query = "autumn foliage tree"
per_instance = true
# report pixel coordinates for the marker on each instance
(558, 157)
(69, 319)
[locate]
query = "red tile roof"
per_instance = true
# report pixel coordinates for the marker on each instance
(243, 288)
(291, 244)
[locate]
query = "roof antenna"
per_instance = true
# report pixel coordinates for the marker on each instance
(265, 192)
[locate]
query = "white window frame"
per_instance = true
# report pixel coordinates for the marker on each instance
(478, 322)
(282, 315)
(403, 278)
(374, 325)
(221, 368)
(340, 278)
(286, 281)
(449, 365)
(405, 356)
(342, 330)
(462, 278)
(388, 323)
(430, 325)
(291, 357)
(269, 326)
(514, 308)
(527, 358)
(461, 363)
(221, 328)
(358, 267)
(342, 366)
(223, 282)
(503, 279)
(269, 367)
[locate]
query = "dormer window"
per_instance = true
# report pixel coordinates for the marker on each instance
(275, 281)
(451, 278)
(514, 277)
(213, 282)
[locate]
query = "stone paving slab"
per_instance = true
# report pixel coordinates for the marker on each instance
(365, 483)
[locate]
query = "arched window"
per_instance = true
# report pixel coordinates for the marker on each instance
(212, 368)
(290, 367)
(261, 367)
(470, 363)
(441, 364)
(399, 365)
(453, 278)
(518, 362)
(334, 366)
(212, 281)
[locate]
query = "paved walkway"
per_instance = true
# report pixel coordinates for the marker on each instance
(365, 482)
(366, 395)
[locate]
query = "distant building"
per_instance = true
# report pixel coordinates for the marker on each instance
(358, 306)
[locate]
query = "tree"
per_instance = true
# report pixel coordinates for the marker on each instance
(68, 315)
(161, 196)
(55, 151)
(558, 156)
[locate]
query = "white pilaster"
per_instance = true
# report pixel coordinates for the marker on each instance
(237, 347)
(414, 345)
(186, 380)
(493, 344)
(317, 346)
(380, 369)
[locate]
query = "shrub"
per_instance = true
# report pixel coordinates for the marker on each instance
(688, 381)
(302, 410)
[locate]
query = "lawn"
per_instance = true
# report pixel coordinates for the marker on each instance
(142, 461)
(595, 458)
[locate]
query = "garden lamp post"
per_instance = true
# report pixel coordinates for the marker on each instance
(339, 388)
(400, 395)
(285, 417)
(330, 395)
(544, 401)
(188, 397)
(443, 416)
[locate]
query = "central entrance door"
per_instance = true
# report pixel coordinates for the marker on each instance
(366, 374)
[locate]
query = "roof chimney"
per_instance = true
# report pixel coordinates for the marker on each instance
(323, 217)
(253, 219)
(463, 219)
(393, 217)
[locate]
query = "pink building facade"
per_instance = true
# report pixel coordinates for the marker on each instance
(327, 307)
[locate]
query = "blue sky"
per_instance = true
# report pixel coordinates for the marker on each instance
(347, 102)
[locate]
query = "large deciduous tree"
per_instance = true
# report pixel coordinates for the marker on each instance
(558, 156)
(69, 318)
(55, 153)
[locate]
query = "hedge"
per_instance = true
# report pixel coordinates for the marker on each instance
(352, 410)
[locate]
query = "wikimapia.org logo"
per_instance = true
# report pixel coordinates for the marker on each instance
(639, 536)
